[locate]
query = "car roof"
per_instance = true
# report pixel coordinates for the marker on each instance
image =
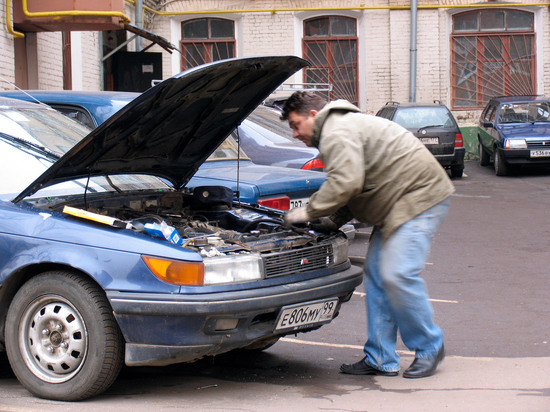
(510, 99)
(414, 104)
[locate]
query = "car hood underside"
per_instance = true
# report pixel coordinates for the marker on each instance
(170, 130)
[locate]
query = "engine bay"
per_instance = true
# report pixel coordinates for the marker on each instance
(212, 230)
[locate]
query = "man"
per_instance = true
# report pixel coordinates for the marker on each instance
(381, 174)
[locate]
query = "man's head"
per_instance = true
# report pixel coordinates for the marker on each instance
(300, 110)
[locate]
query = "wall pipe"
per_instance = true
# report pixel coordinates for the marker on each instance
(295, 9)
(412, 68)
(139, 23)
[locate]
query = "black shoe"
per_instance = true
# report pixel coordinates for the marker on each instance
(361, 368)
(422, 367)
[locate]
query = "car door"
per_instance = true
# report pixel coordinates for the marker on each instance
(487, 132)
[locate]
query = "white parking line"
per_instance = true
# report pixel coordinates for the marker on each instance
(362, 294)
(334, 345)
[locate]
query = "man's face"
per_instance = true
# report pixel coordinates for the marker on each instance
(302, 126)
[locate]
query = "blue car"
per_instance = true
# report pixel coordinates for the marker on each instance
(107, 258)
(271, 179)
(515, 131)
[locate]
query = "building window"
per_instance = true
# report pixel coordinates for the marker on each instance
(206, 40)
(330, 45)
(492, 55)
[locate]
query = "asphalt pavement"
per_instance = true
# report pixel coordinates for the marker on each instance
(488, 281)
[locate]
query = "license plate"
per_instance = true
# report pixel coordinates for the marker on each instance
(430, 140)
(305, 315)
(299, 202)
(540, 153)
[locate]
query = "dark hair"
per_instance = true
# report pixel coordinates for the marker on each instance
(302, 103)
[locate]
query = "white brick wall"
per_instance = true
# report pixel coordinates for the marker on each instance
(383, 47)
(50, 61)
(7, 69)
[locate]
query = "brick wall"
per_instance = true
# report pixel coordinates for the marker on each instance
(7, 70)
(50, 61)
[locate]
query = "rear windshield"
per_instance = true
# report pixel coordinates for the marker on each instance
(419, 117)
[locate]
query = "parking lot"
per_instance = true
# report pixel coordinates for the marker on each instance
(488, 281)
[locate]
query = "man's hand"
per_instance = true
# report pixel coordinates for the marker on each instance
(296, 215)
(324, 225)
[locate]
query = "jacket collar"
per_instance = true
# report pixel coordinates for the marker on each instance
(321, 117)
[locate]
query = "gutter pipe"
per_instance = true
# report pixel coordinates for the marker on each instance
(412, 69)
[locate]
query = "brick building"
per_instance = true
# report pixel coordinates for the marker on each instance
(465, 51)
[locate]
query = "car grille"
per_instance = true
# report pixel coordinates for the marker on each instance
(539, 144)
(298, 260)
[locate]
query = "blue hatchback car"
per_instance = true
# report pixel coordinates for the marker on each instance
(515, 131)
(107, 258)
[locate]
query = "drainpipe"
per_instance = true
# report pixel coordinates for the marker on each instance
(412, 80)
(139, 23)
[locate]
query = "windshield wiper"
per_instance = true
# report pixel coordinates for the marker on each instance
(30, 148)
(430, 126)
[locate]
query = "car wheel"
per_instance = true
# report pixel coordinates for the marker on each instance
(501, 168)
(484, 158)
(457, 171)
(62, 340)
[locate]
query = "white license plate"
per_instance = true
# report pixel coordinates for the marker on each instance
(305, 315)
(540, 153)
(430, 140)
(299, 202)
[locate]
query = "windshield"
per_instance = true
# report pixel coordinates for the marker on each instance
(228, 150)
(524, 112)
(267, 123)
(31, 140)
(419, 117)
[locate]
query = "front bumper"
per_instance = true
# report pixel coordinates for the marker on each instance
(166, 329)
(521, 157)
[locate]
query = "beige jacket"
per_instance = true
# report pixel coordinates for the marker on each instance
(377, 171)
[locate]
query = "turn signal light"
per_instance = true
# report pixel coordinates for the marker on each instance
(281, 203)
(176, 272)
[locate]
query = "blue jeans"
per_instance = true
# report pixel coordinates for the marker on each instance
(397, 298)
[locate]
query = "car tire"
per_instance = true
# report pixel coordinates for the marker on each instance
(457, 171)
(501, 168)
(484, 157)
(62, 340)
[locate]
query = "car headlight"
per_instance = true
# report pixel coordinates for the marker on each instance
(232, 269)
(515, 144)
(340, 250)
(212, 271)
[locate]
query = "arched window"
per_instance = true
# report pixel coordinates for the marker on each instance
(330, 44)
(206, 40)
(492, 55)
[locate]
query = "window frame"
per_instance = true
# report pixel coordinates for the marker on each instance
(330, 40)
(479, 36)
(207, 42)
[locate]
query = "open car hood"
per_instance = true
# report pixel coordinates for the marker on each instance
(170, 130)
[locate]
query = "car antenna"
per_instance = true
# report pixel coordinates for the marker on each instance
(23, 91)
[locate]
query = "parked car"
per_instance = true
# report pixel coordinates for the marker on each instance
(267, 140)
(435, 126)
(107, 258)
(264, 138)
(514, 131)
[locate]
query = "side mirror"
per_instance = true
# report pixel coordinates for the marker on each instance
(488, 124)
